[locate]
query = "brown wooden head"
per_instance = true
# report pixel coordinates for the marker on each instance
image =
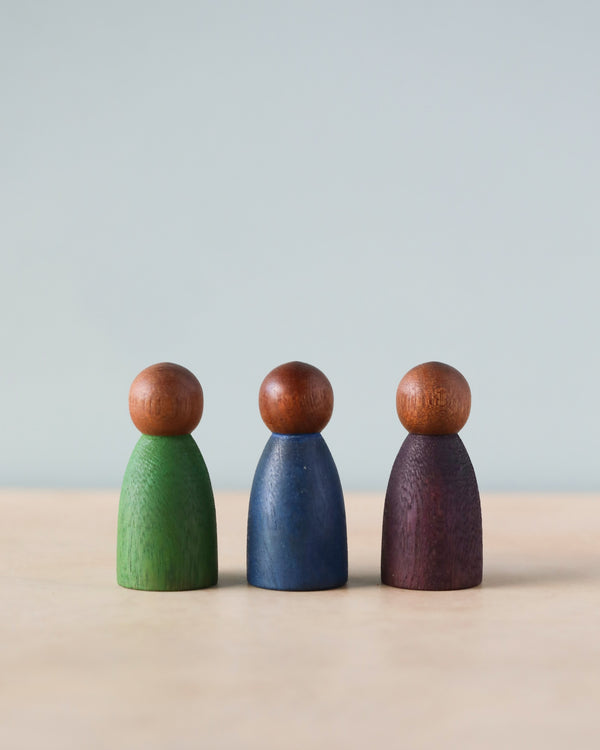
(433, 399)
(295, 399)
(166, 399)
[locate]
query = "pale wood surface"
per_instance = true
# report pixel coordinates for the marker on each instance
(86, 664)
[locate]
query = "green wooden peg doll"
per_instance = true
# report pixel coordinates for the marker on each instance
(167, 531)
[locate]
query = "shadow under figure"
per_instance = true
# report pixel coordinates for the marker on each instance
(432, 534)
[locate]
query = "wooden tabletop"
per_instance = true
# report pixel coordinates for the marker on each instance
(85, 664)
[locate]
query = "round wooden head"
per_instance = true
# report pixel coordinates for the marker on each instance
(295, 399)
(166, 399)
(433, 399)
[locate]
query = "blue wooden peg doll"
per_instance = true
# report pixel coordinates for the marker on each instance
(296, 521)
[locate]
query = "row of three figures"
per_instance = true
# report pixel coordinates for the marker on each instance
(297, 539)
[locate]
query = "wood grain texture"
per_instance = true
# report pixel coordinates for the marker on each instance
(433, 399)
(166, 399)
(167, 534)
(295, 398)
(432, 535)
(296, 520)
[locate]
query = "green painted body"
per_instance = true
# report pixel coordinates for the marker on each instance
(167, 532)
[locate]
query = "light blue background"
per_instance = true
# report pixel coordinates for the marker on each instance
(363, 186)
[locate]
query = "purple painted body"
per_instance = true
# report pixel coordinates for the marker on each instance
(432, 535)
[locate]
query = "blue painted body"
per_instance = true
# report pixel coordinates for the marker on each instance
(297, 521)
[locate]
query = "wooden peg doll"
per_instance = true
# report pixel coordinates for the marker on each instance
(432, 536)
(167, 534)
(296, 519)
